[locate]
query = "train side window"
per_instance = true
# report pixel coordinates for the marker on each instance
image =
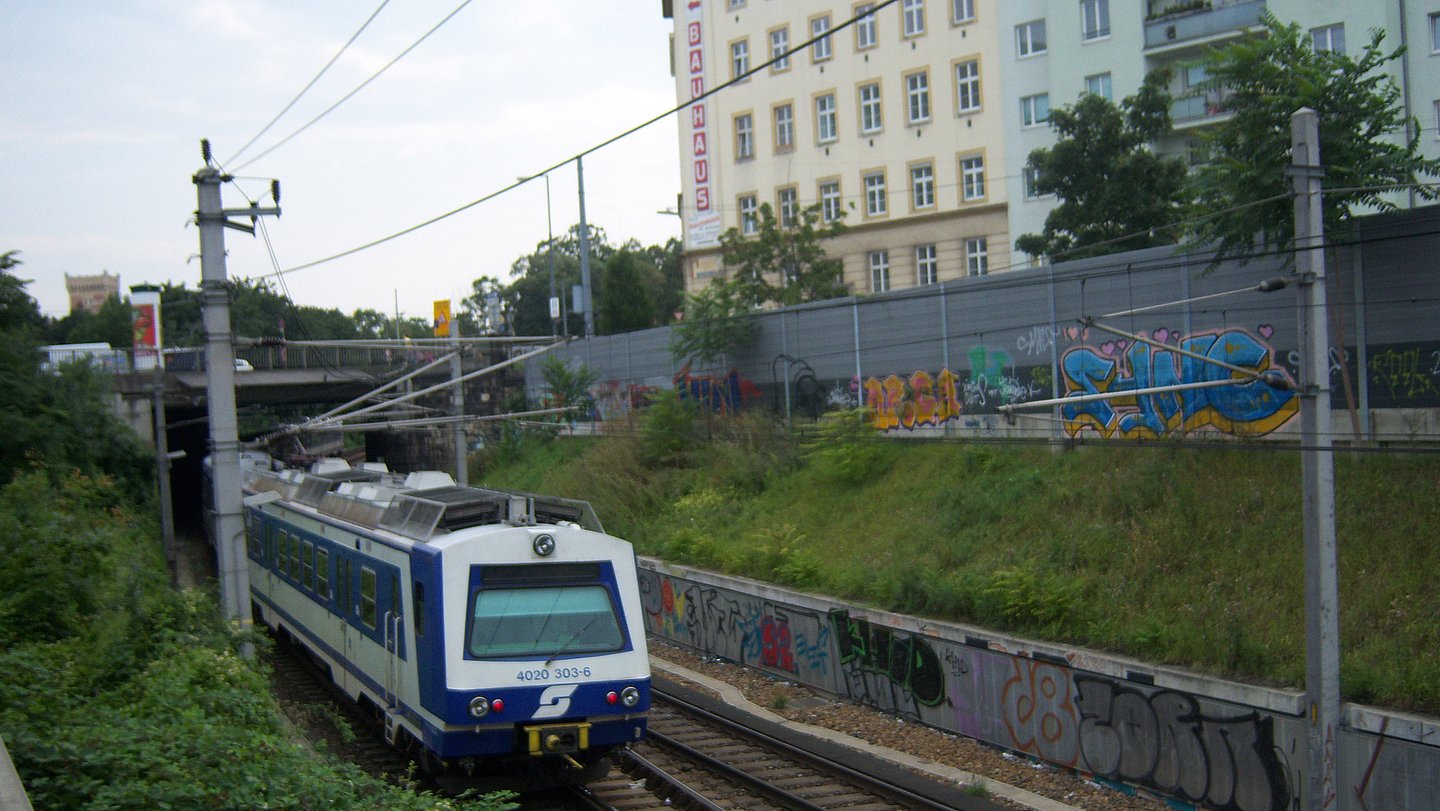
(307, 564)
(322, 572)
(417, 596)
(253, 528)
(294, 566)
(342, 585)
(367, 596)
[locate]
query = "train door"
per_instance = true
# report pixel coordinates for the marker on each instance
(394, 628)
(345, 609)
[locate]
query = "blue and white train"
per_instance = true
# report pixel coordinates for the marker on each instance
(498, 635)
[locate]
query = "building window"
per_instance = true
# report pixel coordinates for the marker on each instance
(1035, 110)
(739, 58)
(734, 4)
(779, 44)
(1329, 38)
(875, 203)
(1028, 178)
(820, 51)
(917, 95)
(789, 205)
(870, 108)
(926, 267)
(744, 136)
(1030, 38)
(922, 186)
(866, 33)
(977, 258)
(830, 201)
(967, 86)
(912, 17)
(784, 127)
(1094, 19)
(749, 224)
(972, 178)
(962, 11)
(825, 129)
(1099, 85)
(879, 271)
(1437, 119)
(1435, 33)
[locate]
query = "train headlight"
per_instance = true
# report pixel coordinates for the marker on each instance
(630, 697)
(479, 707)
(544, 545)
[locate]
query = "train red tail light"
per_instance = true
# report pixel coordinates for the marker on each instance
(497, 706)
(612, 697)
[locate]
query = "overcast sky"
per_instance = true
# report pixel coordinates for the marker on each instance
(103, 105)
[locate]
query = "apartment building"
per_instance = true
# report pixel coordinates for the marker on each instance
(917, 120)
(891, 117)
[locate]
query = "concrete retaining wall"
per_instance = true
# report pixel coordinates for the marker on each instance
(1203, 741)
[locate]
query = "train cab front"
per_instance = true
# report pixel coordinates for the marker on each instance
(554, 672)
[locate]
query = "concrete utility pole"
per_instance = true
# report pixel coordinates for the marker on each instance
(457, 405)
(225, 478)
(588, 303)
(1317, 465)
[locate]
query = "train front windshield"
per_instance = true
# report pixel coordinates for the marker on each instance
(543, 621)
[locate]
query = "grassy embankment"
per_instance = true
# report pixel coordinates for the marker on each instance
(1188, 556)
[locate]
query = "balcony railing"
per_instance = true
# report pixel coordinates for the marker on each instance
(1192, 21)
(1193, 109)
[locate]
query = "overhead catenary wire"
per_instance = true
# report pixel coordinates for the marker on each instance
(359, 87)
(311, 83)
(601, 145)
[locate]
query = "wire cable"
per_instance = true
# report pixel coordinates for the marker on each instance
(579, 155)
(312, 82)
(360, 87)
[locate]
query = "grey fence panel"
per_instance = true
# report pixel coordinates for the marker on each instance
(1016, 337)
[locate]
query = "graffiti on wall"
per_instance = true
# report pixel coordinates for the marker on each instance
(1249, 407)
(925, 399)
(906, 661)
(744, 629)
(1407, 374)
(1164, 740)
(615, 399)
(1039, 711)
(726, 393)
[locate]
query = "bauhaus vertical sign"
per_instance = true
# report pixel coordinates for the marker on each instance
(703, 227)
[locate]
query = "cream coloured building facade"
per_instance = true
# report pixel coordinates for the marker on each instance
(952, 96)
(893, 119)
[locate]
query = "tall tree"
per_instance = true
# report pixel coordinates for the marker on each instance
(785, 263)
(1115, 194)
(18, 311)
(628, 292)
(1242, 193)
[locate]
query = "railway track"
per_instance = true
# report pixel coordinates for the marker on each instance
(700, 754)
(737, 761)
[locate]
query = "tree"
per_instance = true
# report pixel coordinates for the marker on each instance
(784, 263)
(18, 311)
(717, 322)
(1115, 194)
(1243, 192)
(628, 293)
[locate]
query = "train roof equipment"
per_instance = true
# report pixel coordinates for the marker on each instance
(419, 505)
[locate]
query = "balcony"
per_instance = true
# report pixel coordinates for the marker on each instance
(1193, 110)
(1190, 21)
